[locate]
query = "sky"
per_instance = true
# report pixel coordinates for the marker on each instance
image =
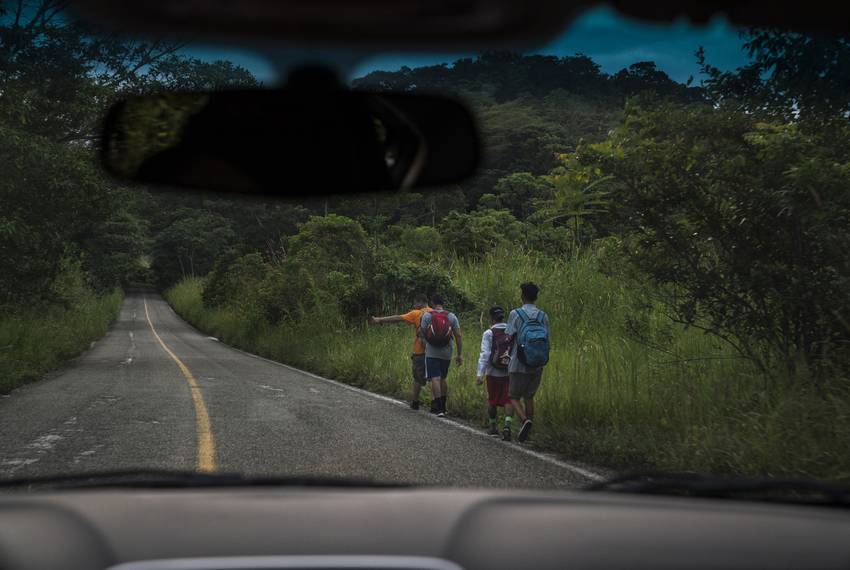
(611, 40)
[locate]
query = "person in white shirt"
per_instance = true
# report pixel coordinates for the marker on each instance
(493, 362)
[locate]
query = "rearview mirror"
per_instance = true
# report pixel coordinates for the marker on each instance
(290, 141)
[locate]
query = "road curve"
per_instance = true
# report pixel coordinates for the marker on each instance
(136, 400)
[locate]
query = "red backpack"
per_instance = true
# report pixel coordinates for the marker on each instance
(500, 348)
(439, 331)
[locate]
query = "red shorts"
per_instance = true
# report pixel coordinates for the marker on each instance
(497, 390)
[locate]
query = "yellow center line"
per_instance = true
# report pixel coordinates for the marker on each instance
(206, 446)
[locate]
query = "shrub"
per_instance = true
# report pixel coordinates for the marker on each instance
(234, 278)
(478, 233)
(420, 243)
(287, 292)
(394, 284)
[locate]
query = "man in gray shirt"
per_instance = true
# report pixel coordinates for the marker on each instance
(524, 380)
(438, 328)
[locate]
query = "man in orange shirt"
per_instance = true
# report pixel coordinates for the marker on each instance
(417, 358)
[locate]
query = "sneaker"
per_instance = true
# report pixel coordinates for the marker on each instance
(414, 405)
(506, 433)
(493, 430)
(441, 414)
(524, 431)
(433, 409)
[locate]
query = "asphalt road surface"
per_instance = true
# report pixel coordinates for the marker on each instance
(154, 393)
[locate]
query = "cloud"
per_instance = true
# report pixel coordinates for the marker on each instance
(611, 40)
(615, 42)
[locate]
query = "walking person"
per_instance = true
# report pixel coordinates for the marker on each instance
(493, 362)
(417, 357)
(438, 328)
(528, 328)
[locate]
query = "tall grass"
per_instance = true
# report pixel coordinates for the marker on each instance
(31, 343)
(680, 400)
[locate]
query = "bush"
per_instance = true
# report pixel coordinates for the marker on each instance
(521, 192)
(395, 283)
(475, 234)
(330, 243)
(420, 244)
(189, 246)
(549, 239)
(742, 225)
(287, 292)
(234, 278)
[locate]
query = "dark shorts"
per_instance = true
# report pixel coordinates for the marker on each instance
(497, 391)
(525, 384)
(417, 362)
(436, 368)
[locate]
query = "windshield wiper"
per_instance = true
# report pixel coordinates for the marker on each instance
(154, 479)
(800, 491)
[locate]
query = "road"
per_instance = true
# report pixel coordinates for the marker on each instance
(154, 393)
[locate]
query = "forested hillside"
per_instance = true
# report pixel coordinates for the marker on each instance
(531, 111)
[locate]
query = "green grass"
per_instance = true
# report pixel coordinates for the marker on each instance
(688, 403)
(34, 343)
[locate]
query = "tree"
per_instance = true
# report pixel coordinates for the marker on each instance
(189, 246)
(478, 233)
(262, 224)
(331, 243)
(790, 76)
(392, 284)
(742, 223)
(58, 75)
(234, 280)
(523, 193)
(644, 76)
(420, 243)
(51, 201)
(575, 198)
(114, 249)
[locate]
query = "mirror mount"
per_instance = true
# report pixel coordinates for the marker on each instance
(313, 78)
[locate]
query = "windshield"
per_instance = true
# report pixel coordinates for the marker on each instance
(648, 272)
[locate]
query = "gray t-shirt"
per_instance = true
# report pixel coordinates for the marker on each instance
(513, 327)
(444, 352)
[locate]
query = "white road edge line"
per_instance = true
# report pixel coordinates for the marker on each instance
(536, 454)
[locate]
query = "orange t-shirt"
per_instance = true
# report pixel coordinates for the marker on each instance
(414, 318)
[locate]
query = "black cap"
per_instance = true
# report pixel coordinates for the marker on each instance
(497, 312)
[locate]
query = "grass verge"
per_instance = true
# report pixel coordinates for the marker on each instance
(31, 344)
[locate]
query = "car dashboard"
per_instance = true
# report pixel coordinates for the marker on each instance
(417, 528)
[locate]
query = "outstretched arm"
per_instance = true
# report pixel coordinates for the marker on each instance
(390, 319)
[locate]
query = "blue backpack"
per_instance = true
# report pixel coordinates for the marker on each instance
(532, 340)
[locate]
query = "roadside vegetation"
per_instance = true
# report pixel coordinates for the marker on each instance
(33, 343)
